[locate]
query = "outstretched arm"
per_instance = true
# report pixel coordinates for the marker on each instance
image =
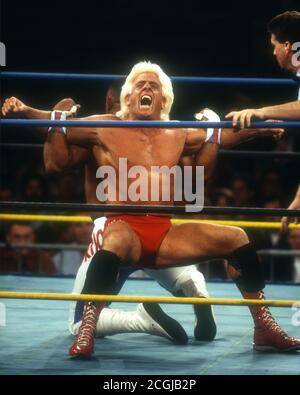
(199, 142)
(15, 108)
(230, 137)
(85, 137)
(282, 111)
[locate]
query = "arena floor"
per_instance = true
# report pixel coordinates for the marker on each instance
(35, 339)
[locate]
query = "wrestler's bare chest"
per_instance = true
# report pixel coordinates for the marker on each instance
(144, 147)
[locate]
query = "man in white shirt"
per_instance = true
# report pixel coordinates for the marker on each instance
(285, 39)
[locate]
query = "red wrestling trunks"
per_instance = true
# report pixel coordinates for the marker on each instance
(151, 230)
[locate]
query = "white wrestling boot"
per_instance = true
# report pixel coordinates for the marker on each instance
(148, 318)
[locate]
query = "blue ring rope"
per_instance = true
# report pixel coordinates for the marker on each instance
(141, 124)
(186, 79)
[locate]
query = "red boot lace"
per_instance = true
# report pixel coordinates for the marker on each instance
(265, 319)
(88, 325)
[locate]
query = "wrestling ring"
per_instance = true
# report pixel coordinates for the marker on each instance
(34, 336)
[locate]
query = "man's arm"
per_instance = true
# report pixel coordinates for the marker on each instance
(207, 156)
(206, 153)
(15, 108)
(282, 111)
(206, 142)
(85, 137)
(205, 147)
(58, 154)
(296, 202)
(230, 137)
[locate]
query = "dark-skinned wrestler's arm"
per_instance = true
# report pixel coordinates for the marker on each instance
(59, 155)
(230, 137)
(204, 146)
(207, 156)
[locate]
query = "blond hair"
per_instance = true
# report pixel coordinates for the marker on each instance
(167, 89)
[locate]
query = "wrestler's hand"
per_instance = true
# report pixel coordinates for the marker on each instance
(68, 105)
(13, 108)
(275, 132)
(213, 135)
(284, 225)
(245, 116)
(285, 221)
(207, 115)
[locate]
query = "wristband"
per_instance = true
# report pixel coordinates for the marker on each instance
(58, 116)
(213, 136)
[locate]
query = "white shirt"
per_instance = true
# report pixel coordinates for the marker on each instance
(68, 261)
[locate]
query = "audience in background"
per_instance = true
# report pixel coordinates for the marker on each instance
(242, 191)
(23, 259)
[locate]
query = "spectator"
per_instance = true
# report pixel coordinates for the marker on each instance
(34, 189)
(6, 194)
(273, 234)
(67, 261)
(271, 186)
(23, 259)
(243, 192)
(288, 268)
(223, 197)
(69, 190)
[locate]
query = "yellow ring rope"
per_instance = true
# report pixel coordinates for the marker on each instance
(74, 218)
(152, 299)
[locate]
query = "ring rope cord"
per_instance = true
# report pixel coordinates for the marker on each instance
(147, 209)
(151, 299)
(177, 221)
(267, 154)
(186, 79)
(141, 124)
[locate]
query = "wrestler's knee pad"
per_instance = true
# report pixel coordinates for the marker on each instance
(102, 273)
(245, 261)
(191, 283)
